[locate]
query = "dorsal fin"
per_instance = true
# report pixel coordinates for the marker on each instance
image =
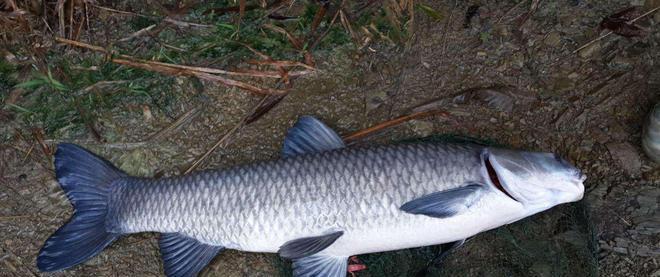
(185, 256)
(309, 135)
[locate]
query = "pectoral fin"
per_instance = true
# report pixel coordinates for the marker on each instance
(445, 203)
(320, 265)
(308, 246)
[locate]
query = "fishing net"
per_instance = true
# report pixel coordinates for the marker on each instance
(558, 242)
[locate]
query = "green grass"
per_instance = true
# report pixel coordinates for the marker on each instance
(57, 101)
(6, 79)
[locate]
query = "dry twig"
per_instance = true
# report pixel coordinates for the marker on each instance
(200, 72)
(390, 123)
(224, 140)
(610, 32)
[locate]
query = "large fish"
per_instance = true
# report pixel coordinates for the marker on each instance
(319, 204)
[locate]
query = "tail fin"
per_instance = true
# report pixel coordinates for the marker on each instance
(86, 179)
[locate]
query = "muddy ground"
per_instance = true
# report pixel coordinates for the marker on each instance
(587, 106)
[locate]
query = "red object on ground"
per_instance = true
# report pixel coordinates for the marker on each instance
(355, 265)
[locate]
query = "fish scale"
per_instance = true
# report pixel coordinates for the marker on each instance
(354, 188)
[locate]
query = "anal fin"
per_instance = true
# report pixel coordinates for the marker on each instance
(320, 265)
(185, 256)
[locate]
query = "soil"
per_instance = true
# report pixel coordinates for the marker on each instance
(587, 106)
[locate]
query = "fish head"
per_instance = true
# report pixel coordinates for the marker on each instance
(537, 180)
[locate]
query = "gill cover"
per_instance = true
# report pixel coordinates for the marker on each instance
(535, 179)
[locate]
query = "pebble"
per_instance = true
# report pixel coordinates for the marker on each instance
(422, 128)
(376, 99)
(621, 63)
(553, 39)
(591, 51)
(627, 157)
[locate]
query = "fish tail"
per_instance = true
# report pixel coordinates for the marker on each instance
(87, 180)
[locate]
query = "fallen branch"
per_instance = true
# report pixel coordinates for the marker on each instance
(224, 140)
(297, 44)
(234, 83)
(281, 63)
(102, 84)
(610, 32)
(200, 72)
(390, 123)
(166, 19)
(187, 117)
(138, 33)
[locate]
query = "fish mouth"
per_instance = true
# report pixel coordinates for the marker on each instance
(495, 179)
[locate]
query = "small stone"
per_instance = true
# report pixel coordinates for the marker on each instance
(553, 39)
(518, 60)
(627, 156)
(621, 63)
(651, 4)
(620, 250)
(562, 84)
(621, 242)
(422, 128)
(587, 145)
(542, 269)
(573, 75)
(656, 273)
(146, 112)
(646, 251)
(652, 175)
(591, 51)
(376, 99)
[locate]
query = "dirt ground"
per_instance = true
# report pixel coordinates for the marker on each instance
(587, 106)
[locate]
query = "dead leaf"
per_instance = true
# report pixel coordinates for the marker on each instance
(620, 23)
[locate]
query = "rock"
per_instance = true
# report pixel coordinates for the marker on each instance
(621, 63)
(422, 128)
(646, 251)
(627, 157)
(542, 269)
(374, 100)
(620, 250)
(553, 39)
(562, 84)
(621, 242)
(518, 60)
(137, 162)
(651, 4)
(652, 175)
(590, 52)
